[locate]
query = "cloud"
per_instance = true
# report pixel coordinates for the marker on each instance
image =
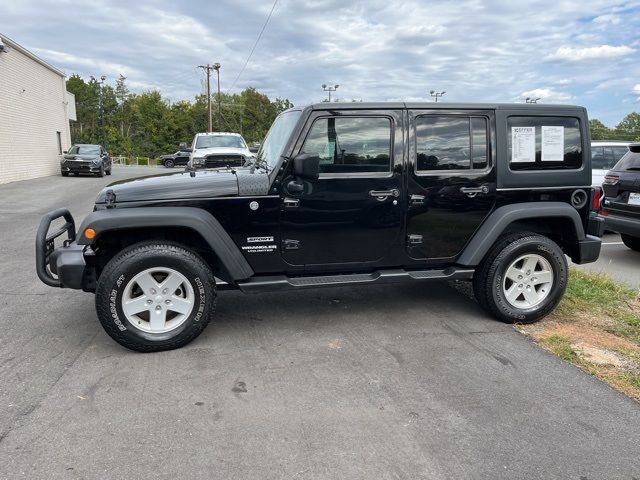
(569, 54)
(476, 50)
(546, 95)
(636, 90)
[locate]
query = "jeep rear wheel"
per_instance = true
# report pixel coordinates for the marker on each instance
(155, 296)
(522, 278)
(169, 163)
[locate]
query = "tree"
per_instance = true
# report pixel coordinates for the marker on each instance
(147, 124)
(599, 131)
(630, 126)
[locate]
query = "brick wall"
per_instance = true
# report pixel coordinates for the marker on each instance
(32, 110)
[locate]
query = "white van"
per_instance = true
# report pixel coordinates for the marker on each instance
(604, 155)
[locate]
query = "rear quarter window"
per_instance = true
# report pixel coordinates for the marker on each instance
(631, 161)
(544, 143)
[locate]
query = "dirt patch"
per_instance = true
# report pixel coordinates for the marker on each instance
(597, 328)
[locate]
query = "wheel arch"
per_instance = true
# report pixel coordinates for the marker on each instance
(556, 220)
(187, 226)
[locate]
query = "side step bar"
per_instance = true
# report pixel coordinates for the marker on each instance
(281, 282)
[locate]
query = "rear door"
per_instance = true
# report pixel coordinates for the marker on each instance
(451, 180)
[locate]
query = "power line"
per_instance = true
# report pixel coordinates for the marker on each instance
(254, 46)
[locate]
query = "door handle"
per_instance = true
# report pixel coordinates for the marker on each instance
(382, 195)
(473, 191)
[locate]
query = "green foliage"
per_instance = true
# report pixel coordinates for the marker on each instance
(628, 129)
(561, 346)
(148, 125)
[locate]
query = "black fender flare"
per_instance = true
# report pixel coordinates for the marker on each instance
(497, 222)
(196, 219)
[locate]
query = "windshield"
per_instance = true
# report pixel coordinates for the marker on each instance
(631, 161)
(215, 141)
(85, 150)
(277, 138)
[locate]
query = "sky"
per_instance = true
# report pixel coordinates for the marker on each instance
(579, 52)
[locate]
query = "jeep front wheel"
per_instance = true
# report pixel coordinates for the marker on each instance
(522, 278)
(155, 296)
(632, 242)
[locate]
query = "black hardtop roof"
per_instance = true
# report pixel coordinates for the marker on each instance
(436, 106)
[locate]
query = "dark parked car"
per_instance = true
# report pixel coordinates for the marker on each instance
(343, 194)
(178, 158)
(622, 198)
(86, 158)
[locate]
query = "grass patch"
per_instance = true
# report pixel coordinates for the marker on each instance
(561, 346)
(597, 328)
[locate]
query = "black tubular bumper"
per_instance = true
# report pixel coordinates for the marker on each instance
(66, 262)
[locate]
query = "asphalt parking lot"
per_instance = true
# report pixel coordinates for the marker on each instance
(617, 261)
(385, 382)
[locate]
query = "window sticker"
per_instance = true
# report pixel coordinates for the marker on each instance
(552, 144)
(523, 142)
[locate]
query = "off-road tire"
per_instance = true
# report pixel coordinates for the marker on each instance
(632, 242)
(169, 163)
(487, 280)
(137, 258)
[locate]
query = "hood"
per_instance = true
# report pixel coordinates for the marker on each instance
(202, 152)
(176, 186)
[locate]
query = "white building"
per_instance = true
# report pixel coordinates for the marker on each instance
(35, 110)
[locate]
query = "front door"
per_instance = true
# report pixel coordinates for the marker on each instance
(451, 183)
(351, 217)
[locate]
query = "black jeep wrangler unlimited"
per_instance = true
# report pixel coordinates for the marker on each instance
(343, 194)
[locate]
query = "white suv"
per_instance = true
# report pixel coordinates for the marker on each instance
(604, 155)
(219, 149)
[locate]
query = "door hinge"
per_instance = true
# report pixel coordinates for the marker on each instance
(289, 244)
(414, 239)
(416, 200)
(291, 202)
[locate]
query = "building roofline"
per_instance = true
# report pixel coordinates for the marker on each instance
(11, 43)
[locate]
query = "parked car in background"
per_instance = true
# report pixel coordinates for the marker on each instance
(86, 158)
(181, 157)
(219, 149)
(622, 198)
(604, 155)
(255, 147)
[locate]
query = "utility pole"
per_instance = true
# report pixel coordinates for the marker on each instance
(208, 69)
(101, 109)
(216, 67)
(331, 88)
(436, 94)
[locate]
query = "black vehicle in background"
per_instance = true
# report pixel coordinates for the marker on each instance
(343, 194)
(86, 158)
(622, 198)
(181, 157)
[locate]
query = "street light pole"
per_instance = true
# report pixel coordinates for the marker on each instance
(330, 88)
(436, 94)
(101, 83)
(216, 67)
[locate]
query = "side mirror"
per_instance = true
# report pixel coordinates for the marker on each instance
(65, 151)
(307, 166)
